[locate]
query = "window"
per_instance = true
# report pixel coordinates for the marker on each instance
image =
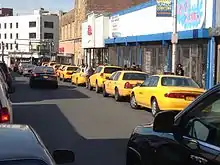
(0, 26)
(135, 76)
(48, 24)
(178, 81)
(117, 76)
(16, 35)
(5, 36)
(32, 35)
(203, 123)
(44, 70)
(10, 25)
(112, 76)
(0, 35)
(146, 82)
(16, 24)
(71, 68)
(153, 81)
(48, 35)
(11, 36)
(11, 46)
(32, 24)
(98, 70)
(5, 25)
(111, 70)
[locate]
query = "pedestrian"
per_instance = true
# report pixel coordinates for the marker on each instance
(179, 70)
(133, 66)
(125, 67)
(138, 68)
(88, 71)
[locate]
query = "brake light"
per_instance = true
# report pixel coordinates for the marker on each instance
(102, 74)
(175, 95)
(128, 85)
(4, 115)
(36, 75)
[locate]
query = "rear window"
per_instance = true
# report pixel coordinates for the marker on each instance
(44, 70)
(178, 82)
(111, 70)
(98, 70)
(57, 66)
(52, 64)
(135, 76)
(71, 68)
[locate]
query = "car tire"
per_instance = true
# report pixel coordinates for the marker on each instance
(97, 89)
(154, 107)
(90, 87)
(133, 102)
(104, 93)
(117, 95)
(77, 82)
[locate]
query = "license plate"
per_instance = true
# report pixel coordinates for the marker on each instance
(190, 98)
(46, 77)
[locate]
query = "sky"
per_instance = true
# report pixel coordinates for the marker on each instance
(27, 6)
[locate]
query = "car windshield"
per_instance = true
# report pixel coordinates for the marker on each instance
(179, 82)
(110, 70)
(44, 70)
(71, 68)
(135, 76)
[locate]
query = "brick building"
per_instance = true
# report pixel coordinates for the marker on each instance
(6, 12)
(70, 25)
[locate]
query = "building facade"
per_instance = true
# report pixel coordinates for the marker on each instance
(27, 36)
(94, 31)
(132, 39)
(71, 30)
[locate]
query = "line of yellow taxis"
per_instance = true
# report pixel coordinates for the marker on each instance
(161, 92)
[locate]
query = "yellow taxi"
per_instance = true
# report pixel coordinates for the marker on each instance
(44, 63)
(58, 71)
(51, 64)
(67, 71)
(79, 77)
(101, 73)
(165, 92)
(121, 83)
(56, 66)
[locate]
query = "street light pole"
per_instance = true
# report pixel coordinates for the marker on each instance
(174, 36)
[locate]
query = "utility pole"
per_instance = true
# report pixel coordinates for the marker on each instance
(174, 36)
(3, 51)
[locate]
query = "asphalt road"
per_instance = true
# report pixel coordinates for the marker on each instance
(95, 128)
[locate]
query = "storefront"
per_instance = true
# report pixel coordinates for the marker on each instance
(65, 55)
(94, 31)
(142, 35)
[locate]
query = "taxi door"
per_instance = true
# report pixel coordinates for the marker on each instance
(95, 75)
(108, 82)
(139, 92)
(150, 91)
(114, 83)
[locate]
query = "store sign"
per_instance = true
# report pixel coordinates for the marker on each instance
(61, 50)
(164, 8)
(191, 14)
(115, 20)
(89, 31)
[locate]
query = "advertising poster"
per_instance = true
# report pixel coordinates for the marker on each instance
(164, 8)
(115, 26)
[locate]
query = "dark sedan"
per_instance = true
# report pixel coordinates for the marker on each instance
(191, 137)
(43, 76)
(21, 145)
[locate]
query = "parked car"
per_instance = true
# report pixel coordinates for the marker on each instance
(21, 145)
(21, 65)
(189, 137)
(165, 93)
(121, 83)
(43, 76)
(66, 72)
(101, 73)
(8, 76)
(79, 78)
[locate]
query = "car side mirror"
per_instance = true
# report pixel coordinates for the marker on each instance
(63, 156)
(164, 122)
(11, 90)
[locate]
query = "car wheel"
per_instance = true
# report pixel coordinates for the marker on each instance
(154, 107)
(133, 102)
(77, 82)
(104, 93)
(117, 95)
(90, 87)
(97, 90)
